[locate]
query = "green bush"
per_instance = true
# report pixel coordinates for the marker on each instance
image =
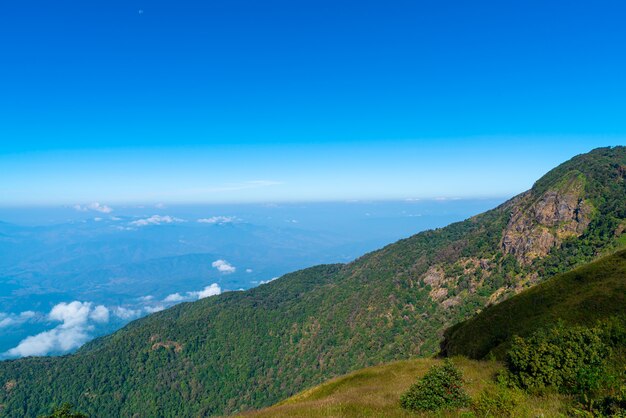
(499, 401)
(567, 359)
(589, 363)
(440, 388)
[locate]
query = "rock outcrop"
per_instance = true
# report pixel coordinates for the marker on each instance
(537, 225)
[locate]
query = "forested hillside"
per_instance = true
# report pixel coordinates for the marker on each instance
(250, 349)
(583, 296)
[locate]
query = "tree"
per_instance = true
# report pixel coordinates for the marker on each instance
(64, 411)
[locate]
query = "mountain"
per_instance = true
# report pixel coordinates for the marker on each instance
(582, 296)
(244, 350)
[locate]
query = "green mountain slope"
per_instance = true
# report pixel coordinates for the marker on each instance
(581, 297)
(250, 349)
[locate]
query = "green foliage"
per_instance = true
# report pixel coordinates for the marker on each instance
(498, 401)
(570, 359)
(582, 361)
(64, 411)
(594, 292)
(440, 388)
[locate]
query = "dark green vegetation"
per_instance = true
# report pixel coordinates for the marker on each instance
(243, 350)
(580, 297)
(440, 388)
(64, 411)
(587, 362)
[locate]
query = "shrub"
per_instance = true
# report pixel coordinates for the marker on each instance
(586, 362)
(568, 359)
(440, 388)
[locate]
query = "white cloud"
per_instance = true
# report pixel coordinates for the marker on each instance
(267, 281)
(71, 314)
(71, 333)
(156, 220)
(153, 309)
(174, 297)
(8, 320)
(57, 339)
(211, 290)
(100, 314)
(249, 270)
(95, 206)
(97, 219)
(126, 313)
(146, 298)
(223, 266)
(218, 220)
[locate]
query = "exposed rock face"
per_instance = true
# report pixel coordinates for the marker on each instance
(435, 278)
(470, 271)
(538, 225)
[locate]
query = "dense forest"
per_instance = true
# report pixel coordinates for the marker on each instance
(249, 349)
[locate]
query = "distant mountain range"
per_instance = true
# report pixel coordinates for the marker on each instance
(244, 350)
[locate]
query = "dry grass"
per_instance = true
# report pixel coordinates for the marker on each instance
(375, 392)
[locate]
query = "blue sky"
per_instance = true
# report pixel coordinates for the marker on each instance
(220, 101)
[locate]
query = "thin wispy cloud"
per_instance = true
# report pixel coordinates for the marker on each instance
(156, 220)
(10, 320)
(268, 281)
(153, 309)
(218, 220)
(95, 206)
(126, 313)
(225, 188)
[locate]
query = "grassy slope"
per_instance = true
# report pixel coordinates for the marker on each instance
(375, 392)
(251, 349)
(582, 296)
